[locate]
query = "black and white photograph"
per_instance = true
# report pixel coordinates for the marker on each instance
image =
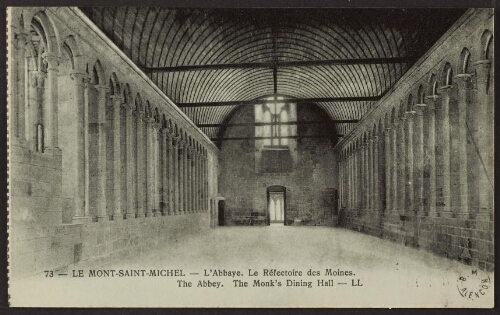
(250, 157)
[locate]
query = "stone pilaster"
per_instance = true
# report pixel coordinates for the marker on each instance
(117, 164)
(394, 168)
(410, 181)
(443, 112)
(171, 175)
(155, 170)
(185, 190)
(81, 175)
(430, 154)
(149, 163)
(131, 163)
(18, 119)
(375, 175)
(86, 136)
(483, 137)
(189, 179)
(164, 171)
(101, 158)
(180, 157)
(419, 159)
(175, 173)
(140, 169)
(388, 165)
(463, 93)
(52, 109)
(38, 124)
(369, 174)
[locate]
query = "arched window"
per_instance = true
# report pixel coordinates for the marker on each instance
(274, 118)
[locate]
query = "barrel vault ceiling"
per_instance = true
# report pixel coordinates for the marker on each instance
(209, 61)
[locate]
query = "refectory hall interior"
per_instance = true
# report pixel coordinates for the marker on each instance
(136, 129)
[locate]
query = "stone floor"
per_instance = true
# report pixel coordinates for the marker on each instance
(384, 274)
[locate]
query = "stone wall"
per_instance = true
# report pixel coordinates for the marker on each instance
(57, 213)
(418, 169)
(37, 248)
(244, 186)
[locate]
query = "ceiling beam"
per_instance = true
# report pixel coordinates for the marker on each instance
(283, 64)
(287, 137)
(288, 101)
(319, 122)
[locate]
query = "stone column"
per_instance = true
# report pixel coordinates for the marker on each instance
(117, 165)
(444, 145)
(140, 162)
(419, 159)
(194, 194)
(395, 167)
(80, 149)
(52, 109)
(368, 170)
(195, 181)
(21, 86)
(155, 169)
(170, 175)
(164, 170)
(410, 163)
(388, 165)
(205, 182)
(39, 110)
(402, 165)
(32, 111)
(368, 175)
(175, 173)
(180, 158)
(372, 165)
(131, 163)
(204, 194)
(189, 179)
(101, 159)
(14, 100)
(201, 161)
(86, 134)
(430, 154)
(357, 177)
(185, 178)
(362, 175)
(375, 176)
(464, 84)
(354, 188)
(149, 163)
(341, 180)
(348, 178)
(483, 136)
(18, 86)
(354, 176)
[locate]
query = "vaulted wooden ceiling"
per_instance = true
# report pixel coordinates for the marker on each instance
(208, 61)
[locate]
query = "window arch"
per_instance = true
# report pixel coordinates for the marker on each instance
(486, 45)
(409, 105)
(447, 75)
(433, 85)
(274, 119)
(465, 61)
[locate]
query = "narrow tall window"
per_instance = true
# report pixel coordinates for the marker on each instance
(273, 119)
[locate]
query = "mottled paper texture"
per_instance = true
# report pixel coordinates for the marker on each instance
(250, 157)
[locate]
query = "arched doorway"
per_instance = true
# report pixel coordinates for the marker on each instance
(276, 205)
